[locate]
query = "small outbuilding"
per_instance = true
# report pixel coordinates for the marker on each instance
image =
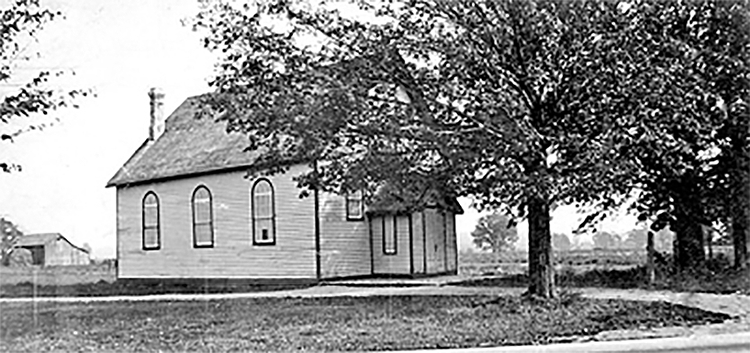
(416, 231)
(51, 249)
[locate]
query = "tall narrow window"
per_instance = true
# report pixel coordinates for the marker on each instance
(390, 235)
(203, 225)
(150, 222)
(355, 207)
(264, 227)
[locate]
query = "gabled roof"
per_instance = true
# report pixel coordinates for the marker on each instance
(41, 239)
(391, 199)
(189, 145)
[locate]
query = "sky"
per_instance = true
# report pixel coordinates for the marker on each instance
(120, 49)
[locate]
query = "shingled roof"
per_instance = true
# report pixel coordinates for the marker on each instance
(188, 146)
(391, 199)
(36, 239)
(191, 146)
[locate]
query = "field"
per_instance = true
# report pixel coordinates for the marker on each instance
(515, 262)
(607, 268)
(56, 276)
(325, 324)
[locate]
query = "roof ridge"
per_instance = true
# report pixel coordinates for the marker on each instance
(188, 146)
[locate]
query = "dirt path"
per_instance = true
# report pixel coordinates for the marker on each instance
(730, 304)
(735, 305)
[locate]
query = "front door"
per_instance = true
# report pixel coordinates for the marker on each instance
(435, 240)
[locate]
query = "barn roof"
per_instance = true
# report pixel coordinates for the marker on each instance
(41, 239)
(189, 145)
(36, 239)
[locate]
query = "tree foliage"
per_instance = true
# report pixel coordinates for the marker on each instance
(513, 103)
(561, 242)
(494, 232)
(606, 240)
(636, 239)
(9, 233)
(19, 23)
(690, 151)
(517, 104)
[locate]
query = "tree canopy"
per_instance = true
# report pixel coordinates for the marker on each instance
(494, 232)
(19, 23)
(9, 233)
(517, 104)
(561, 242)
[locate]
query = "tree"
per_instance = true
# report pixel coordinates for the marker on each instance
(691, 153)
(19, 23)
(606, 240)
(512, 103)
(725, 48)
(9, 233)
(561, 242)
(636, 238)
(494, 232)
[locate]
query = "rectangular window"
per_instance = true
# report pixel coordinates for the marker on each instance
(390, 235)
(355, 207)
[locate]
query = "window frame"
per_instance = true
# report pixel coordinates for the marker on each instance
(361, 198)
(210, 217)
(145, 227)
(272, 193)
(387, 251)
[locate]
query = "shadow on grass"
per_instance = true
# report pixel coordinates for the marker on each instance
(376, 323)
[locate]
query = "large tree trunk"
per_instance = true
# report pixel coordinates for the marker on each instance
(541, 271)
(650, 270)
(740, 193)
(741, 233)
(690, 253)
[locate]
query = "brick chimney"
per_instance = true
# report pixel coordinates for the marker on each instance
(156, 128)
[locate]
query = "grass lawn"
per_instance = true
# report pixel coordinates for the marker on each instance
(323, 324)
(102, 288)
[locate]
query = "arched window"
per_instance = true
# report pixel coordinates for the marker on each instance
(203, 218)
(264, 227)
(150, 222)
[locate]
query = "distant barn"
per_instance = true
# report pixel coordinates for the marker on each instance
(50, 249)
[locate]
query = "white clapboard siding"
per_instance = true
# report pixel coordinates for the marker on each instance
(418, 235)
(344, 244)
(233, 254)
(452, 246)
(398, 263)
